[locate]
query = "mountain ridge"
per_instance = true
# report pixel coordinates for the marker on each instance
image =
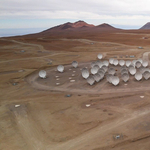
(78, 25)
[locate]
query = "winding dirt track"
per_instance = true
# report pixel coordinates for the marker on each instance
(40, 47)
(79, 142)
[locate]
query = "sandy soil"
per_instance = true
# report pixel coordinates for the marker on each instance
(36, 114)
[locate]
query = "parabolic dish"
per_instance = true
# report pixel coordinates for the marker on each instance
(102, 70)
(124, 71)
(128, 63)
(91, 80)
(109, 78)
(94, 69)
(115, 62)
(123, 67)
(105, 68)
(115, 80)
(99, 56)
(102, 74)
(131, 66)
(138, 76)
(106, 63)
(93, 64)
(42, 74)
(111, 71)
(99, 63)
(75, 64)
(125, 77)
(145, 63)
(60, 68)
(97, 77)
(132, 71)
(142, 69)
(133, 62)
(121, 62)
(85, 73)
(146, 75)
(138, 64)
(111, 60)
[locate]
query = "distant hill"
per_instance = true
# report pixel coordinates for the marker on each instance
(78, 26)
(68, 25)
(105, 26)
(146, 26)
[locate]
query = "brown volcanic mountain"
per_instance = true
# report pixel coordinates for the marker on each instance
(105, 25)
(146, 26)
(69, 25)
(77, 26)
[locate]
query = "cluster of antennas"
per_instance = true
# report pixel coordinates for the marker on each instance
(60, 68)
(101, 69)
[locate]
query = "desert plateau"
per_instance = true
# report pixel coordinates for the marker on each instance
(62, 111)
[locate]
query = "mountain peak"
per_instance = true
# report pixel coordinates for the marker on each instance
(68, 25)
(81, 23)
(105, 25)
(146, 26)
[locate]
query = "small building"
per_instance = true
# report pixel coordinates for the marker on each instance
(49, 63)
(132, 56)
(144, 38)
(68, 95)
(140, 47)
(22, 51)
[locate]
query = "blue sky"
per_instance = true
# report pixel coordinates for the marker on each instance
(37, 14)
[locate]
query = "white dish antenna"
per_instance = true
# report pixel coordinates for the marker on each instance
(138, 76)
(99, 56)
(146, 75)
(106, 63)
(93, 64)
(121, 62)
(132, 71)
(115, 62)
(75, 64)
(42, 74)
(138, 64)
(128, 63)
(145, 63)
(111, 71)
(111, 60)
(95, 69)
(60, 68)
(85, 73)
(125, 77)
(99, 63)
(97, 77)
(109, 78)
(124, 71)
(115, 80)
(90, 80)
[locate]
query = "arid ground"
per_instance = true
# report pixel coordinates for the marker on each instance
(36, 114)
